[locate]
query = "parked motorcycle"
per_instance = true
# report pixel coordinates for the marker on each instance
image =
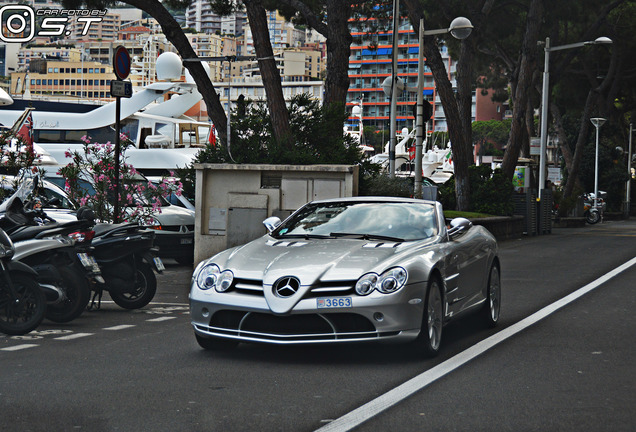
(22, 302)
(64, 269)
(127, 257)
(594, 214)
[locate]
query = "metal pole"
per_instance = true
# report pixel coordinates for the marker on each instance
(419, 121)
(544, 116)
(117, 151)
(629, 171)
(394, 78)
(229, 107)
(596, 169)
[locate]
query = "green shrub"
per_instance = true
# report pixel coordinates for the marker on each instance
(490, 192)
(383, 185)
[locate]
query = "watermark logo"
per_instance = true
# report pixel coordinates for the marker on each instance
(18, 22)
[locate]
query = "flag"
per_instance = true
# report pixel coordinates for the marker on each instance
(26, 131)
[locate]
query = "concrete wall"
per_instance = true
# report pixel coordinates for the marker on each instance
(233, 200)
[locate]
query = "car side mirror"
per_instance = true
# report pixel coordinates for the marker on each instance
(459, 226)
(271, 223)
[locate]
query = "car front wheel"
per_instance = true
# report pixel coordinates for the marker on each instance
(430, 337)
(490, 311)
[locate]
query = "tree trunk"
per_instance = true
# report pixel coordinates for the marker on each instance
(339, 39)
(518, 130)
(278, 112)
(338, 46)
(580, 144)
(173, 31)
(461, 141)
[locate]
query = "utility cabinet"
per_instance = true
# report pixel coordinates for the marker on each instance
(233, 200)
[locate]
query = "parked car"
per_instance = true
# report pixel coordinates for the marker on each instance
(180, 200)
(349, 270)
(174, 225)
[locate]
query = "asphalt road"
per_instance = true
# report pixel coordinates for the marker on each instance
(571, 370)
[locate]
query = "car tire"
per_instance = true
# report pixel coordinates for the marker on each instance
(492, 307)
(216, 344)
(430, 338)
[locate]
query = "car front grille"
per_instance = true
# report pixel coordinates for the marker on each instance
(302, 328)
(320, 289)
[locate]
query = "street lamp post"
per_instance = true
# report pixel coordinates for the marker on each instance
(394, 88)
(597, 122)
(544, 97)
(629, 173)
(460, 28)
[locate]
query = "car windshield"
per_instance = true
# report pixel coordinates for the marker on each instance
(369, 220)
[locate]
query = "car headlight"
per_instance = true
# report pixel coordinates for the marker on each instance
(391, 280)
(366, 284)
(224, 281)
(208, 276)
(211, 276)
(388, 282)
(152, 222)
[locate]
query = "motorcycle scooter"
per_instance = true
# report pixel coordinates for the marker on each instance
(64, 269)
(22, 302)
(127, 257)
(594, 214)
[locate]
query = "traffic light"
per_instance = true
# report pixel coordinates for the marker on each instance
(427, 110)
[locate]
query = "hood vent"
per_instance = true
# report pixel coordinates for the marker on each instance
(381, 245)
(282, 243)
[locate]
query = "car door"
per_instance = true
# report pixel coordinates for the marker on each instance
(469, 255)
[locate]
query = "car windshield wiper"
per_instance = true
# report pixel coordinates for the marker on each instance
(304, 236)
(367, 236)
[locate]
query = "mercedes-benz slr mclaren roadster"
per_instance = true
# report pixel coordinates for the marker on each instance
(349, 270)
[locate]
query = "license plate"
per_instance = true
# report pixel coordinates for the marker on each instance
(159, 263)
(186, 241)
(336, 302)
(88, 262)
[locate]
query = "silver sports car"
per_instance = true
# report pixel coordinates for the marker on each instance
(349, 270)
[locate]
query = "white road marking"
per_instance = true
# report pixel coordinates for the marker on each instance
(119, 327)
(400, 393)
(163, 318)
(74, 336)
(18, 347)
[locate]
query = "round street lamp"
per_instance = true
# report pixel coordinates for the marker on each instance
(460, 28)
(597, 122)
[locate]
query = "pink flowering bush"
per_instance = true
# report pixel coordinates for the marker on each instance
(90, 182)
(16, 155)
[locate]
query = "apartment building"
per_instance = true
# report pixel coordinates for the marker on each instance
(199, 16)
(370, 64)
(81, 79)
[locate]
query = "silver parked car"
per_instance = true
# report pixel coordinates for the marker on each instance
(349, 270)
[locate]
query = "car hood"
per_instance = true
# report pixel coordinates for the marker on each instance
(312, 260)
(174, 215)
